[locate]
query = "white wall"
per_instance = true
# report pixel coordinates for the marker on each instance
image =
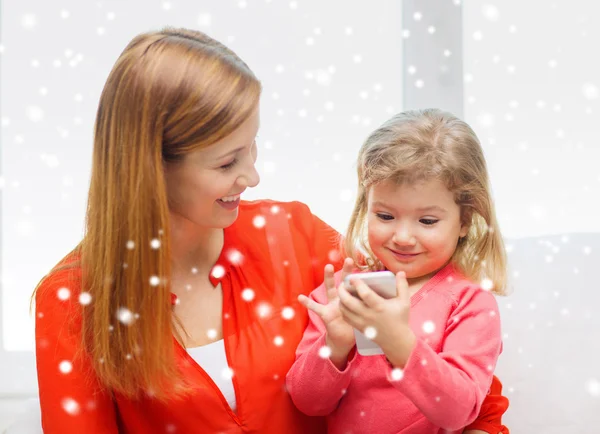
(528, 77)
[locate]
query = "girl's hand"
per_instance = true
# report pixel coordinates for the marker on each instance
(385, 321)
(340, 335)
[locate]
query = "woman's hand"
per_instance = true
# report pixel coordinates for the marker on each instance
(340, 335)
(385, 321)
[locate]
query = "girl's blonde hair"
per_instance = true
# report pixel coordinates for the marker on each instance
(427, 144)
(169, 93)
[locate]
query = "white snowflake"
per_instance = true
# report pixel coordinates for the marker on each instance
(490, 12)
(212, 334)
(397, 374)
(65, 367)
(125, 316)
(487, 284)
(590, 91)
(323, 77)
(204, 20)
(263, 310)
(155, 243)
(278, 341)
(130, 245)
(288, 313)
(248, 294)
(428, 327)
(70, 406)
(324, 352)
(35, 113)
(259, 221)
(346, 195)
(370, 332)
(63, 294)
(234, 256)
(85, 298)
(218, 271)
(29, 21)
(486, 120)
(50, 160)
(154, 280)
(227, 373)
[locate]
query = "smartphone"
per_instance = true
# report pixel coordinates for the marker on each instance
(384, 284)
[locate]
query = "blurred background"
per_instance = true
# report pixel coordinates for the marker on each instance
(525, 78)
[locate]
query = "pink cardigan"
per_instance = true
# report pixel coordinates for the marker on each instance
(444, 381)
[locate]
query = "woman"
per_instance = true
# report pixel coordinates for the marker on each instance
(177, 312)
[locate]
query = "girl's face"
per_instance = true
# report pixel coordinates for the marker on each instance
(413, 228)
(205, 187)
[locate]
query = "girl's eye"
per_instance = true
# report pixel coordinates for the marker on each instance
(428, 222)
(384, 217)
(229, 165)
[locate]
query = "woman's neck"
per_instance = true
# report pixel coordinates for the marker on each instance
(194, 249)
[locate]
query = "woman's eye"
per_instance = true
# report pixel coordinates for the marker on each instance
(229, 165)
(385, 217)
(428, 222)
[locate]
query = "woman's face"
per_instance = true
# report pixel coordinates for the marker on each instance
(205, 187)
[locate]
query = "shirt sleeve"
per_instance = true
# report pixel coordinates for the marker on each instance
(490, 415)
(311, 374)
(449, 387)
(71, 399)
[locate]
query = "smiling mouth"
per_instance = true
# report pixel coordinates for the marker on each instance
(233, 198)
(404, 255)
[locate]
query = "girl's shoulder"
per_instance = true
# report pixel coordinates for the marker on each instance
(461, 290)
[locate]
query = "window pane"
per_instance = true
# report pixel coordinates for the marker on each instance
(531, 92)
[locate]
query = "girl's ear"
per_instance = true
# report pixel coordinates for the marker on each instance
(465, 221)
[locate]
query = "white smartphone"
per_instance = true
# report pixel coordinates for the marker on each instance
(384, 284)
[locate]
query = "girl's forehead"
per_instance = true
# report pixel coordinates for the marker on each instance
(421, 194)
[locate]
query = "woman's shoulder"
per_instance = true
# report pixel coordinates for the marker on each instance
(275, 216)
(270, 214)
(273, 207)
(63, 282)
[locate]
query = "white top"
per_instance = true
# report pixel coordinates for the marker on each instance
(213, 360)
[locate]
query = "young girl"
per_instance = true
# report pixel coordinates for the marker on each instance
(424, 211)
